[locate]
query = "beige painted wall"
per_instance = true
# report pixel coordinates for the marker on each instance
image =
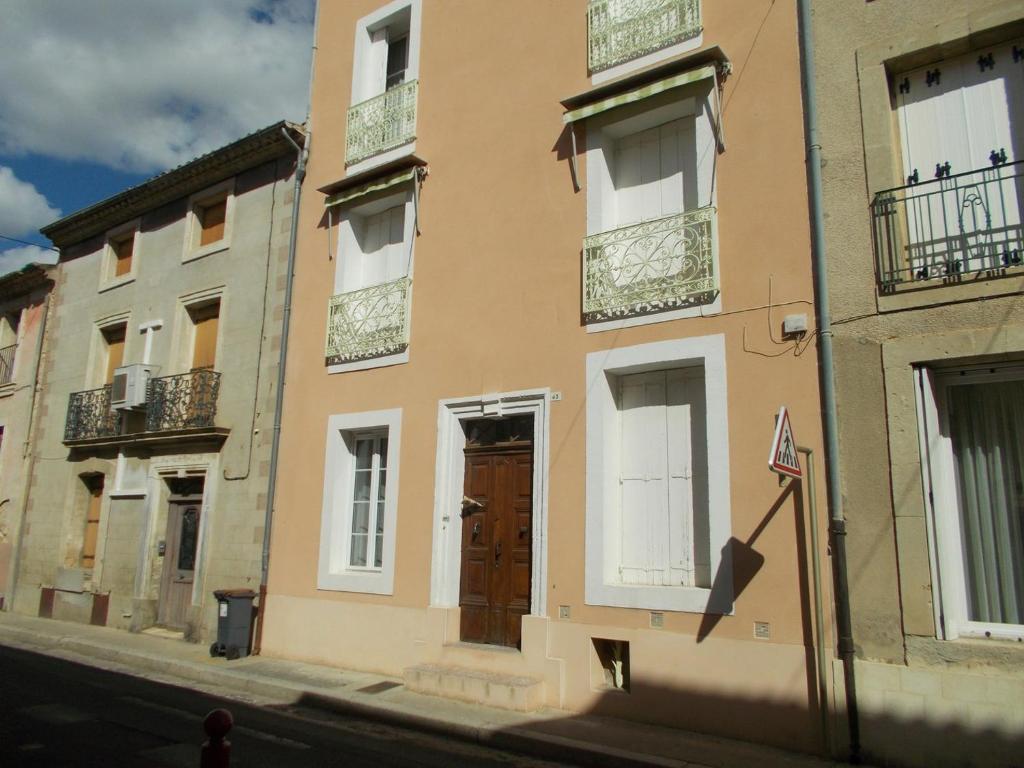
(496, 308)
(878, 340)
(250, 273)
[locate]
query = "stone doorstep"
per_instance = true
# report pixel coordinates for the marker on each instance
(515, 692)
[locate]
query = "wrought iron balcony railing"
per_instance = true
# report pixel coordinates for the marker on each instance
(650, 267)
(89, 415)
(7, 363)
(185, 401)
(950, 228)
(371, 322)
(621, 30)
(381, 123)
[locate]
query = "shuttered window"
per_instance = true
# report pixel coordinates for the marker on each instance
(383, 257)
(114, 338)
(664, 539)
(124, 250)
(206, 321)
(652, 169)
(211, 221)
(94, 484)
(960, 110)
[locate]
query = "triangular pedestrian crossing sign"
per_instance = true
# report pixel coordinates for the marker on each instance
(784, 458)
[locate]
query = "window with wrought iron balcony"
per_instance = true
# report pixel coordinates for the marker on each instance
(619, 31)
(650, 253)
(958, 216)
(135, 404)
(382, 117)
(8, 345)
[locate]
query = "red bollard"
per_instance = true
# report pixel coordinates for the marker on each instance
(217, 749)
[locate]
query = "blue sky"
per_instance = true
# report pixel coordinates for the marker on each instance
(99, 95)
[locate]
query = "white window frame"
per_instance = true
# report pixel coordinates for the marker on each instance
(192, 250)
(348, 245)
(938, 477)
(603, 491)
(333, 571)
(108, 262)
(363, 87)
(602, 132)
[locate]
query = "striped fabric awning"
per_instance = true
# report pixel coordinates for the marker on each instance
(643, 92)
(371, 186)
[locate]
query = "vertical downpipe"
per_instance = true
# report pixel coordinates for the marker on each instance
(837, 524)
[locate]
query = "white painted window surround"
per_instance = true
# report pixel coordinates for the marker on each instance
(394, 21)
(648, 160)
(656, 471)
(343, 432)
(446, 558)
(375, 245)
(988, 530)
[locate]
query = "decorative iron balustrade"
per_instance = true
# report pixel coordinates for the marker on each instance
(621, 30)
(381, 123)
(7, 363)
(950, 228)
(89, 415)
(185, 401)
(370, 322)
(650, 267)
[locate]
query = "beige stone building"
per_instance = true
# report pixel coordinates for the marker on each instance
(24, 306)
(549, 299)
(158, 393)
(922, 128)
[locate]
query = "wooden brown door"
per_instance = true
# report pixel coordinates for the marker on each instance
(496, 545)
(179, 563)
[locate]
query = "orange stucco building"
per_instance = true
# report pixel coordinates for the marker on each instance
(553, 284)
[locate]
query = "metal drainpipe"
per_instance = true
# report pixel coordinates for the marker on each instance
(837, 523)
(300, 172)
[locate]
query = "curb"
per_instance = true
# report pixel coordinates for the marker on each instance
(514, 739)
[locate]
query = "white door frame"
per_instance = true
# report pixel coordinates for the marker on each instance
(446, 557)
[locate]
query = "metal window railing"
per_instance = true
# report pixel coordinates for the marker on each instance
(650, 267)
(89, 415)
(371, 322)
(184, 401)
(621, 30)
(381, 123)
(7, 364)
(951, 228)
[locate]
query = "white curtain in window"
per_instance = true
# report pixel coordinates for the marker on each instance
(987, 432)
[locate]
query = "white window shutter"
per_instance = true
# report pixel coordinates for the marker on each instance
(377, 63)
(682, 401)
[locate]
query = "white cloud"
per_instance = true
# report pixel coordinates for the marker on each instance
(16, 258)
(22, 209)
(144, 86)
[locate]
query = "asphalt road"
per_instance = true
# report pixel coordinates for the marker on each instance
(58, 714)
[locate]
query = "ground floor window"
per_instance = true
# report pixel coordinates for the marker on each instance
(357, 532)
(973, 434)
(658, 515)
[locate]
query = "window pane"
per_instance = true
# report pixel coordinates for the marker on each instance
(358, 554)
(383, 453)
(364, 453)
(189, 539)
(987, 432)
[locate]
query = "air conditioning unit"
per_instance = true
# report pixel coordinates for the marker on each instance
(128, 390)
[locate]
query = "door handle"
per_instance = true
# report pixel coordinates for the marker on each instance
(476, 530)
(497, 554)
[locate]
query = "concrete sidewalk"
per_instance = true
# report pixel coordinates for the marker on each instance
(551, 734)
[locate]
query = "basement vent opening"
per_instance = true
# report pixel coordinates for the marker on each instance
(380, 687)
(610, 664)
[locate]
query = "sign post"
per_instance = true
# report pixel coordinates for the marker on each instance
(783, 458)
